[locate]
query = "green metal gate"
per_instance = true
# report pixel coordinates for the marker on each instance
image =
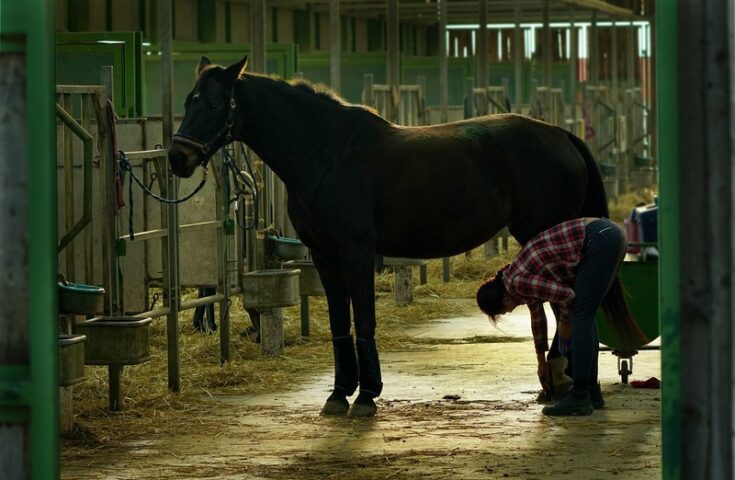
(28, 343)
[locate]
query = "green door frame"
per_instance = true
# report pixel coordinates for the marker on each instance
(667, 103)
(31, 391)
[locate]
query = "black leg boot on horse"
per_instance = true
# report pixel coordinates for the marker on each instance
(345, 376)
(371, 383)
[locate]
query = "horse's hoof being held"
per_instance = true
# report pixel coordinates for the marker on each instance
(364, 406)
(336, 404)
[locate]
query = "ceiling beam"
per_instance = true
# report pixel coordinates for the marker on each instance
(604, 7)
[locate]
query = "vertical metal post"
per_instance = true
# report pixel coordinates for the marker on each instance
(87, 112)
(518, 56)
(547, 51)
(367, 89)
(110, 271)
(443, 62)
(69, 193)
(29, 420)
(469, 99)
(169, 220)
(593, 58)
(394, 61)
(630, 55)
(482, 62)
(573, 66)
(114, 373)
(257, 63)
(669, 266)
(614, 63)
(421, 82)
(257, 36)
(165, 29)
(335, 46)
(223, 277)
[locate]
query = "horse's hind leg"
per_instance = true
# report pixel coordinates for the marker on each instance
(345, 361)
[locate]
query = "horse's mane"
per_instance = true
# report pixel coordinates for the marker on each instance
(321, 91)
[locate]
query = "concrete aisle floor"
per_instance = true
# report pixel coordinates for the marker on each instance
(450, 409)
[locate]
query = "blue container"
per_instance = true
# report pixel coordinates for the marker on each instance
(646, 218)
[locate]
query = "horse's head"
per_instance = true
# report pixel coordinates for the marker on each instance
(209, 117)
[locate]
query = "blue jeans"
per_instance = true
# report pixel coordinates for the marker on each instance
(602, 252)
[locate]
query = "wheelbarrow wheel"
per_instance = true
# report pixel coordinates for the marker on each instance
(624, 371)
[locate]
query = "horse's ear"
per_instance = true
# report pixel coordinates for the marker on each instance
(203, 63)
(237, 70)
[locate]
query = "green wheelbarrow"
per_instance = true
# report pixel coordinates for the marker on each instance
(640, 281)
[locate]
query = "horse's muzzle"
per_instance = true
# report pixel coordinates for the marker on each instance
(182, 160)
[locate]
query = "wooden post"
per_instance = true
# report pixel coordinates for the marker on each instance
(271, 331)
(403, 289)
(482, 63)
(14, 231)
(335, 46)
(443, 63)
(706, 144)
(518, 57)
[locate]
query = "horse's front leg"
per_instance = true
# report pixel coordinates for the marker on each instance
(345, 361)
(358, 265)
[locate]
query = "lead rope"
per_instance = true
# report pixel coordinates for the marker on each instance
(239, 179)
(126, 166)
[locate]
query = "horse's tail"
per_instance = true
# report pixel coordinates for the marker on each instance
(614, 305)
(595, 202)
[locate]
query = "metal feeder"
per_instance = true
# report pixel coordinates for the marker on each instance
(116, 341)
(268, 291)
(286, 248)
(80, 299)
(310, 285)
(71, 359)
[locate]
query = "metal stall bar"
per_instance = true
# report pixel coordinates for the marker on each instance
(87, 139)
(170, 245)
(224, 287)
(669, 268)
(110, 266)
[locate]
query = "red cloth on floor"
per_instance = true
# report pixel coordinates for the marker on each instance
(652, 382)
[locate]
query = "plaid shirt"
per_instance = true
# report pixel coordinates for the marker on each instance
(544, 271)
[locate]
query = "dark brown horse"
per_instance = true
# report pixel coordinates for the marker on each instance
(360, 186)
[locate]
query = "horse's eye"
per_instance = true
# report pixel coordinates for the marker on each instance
(195, 96)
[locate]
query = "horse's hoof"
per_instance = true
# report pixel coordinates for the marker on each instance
(335, 406)
(363, 407)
